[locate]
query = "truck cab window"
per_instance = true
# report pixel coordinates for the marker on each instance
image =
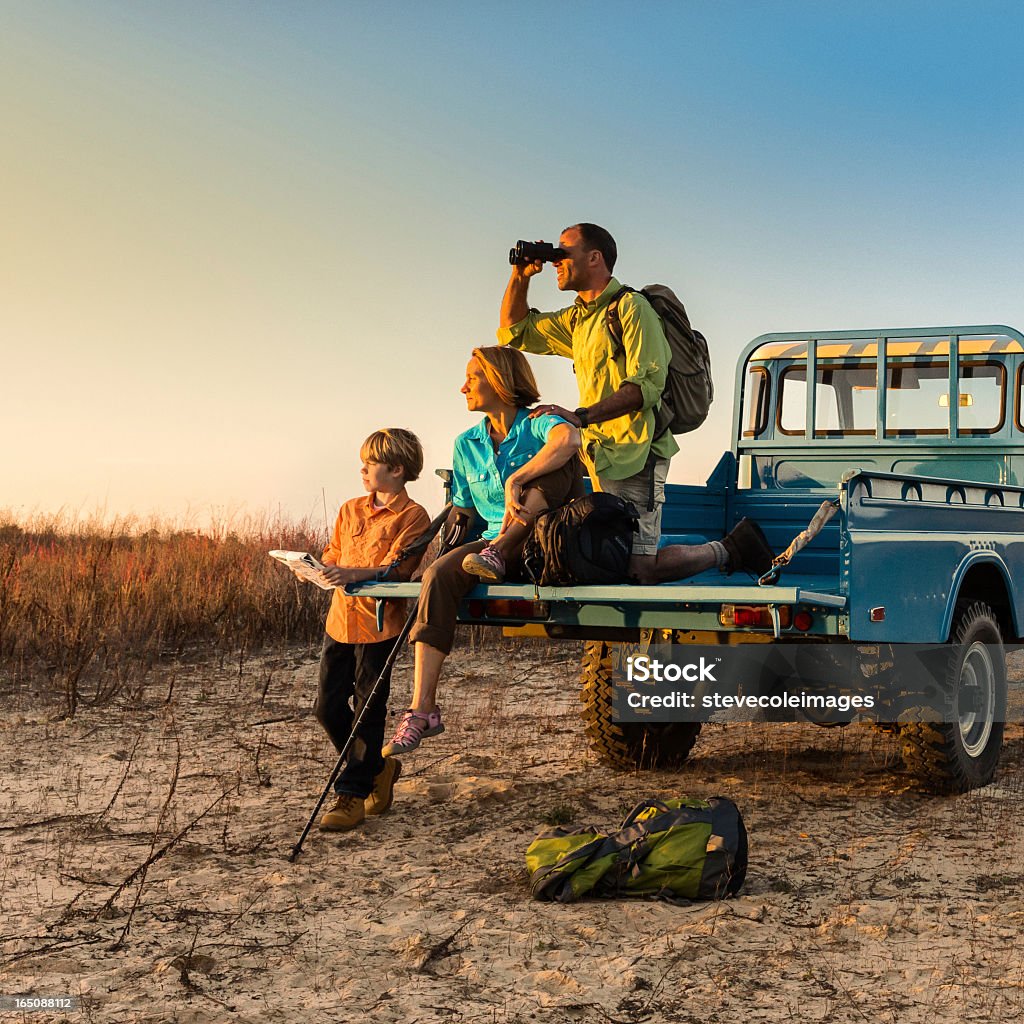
(755, 402)
(917, 398)
(845, 401)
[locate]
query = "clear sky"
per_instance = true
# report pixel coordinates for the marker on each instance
(237, 237)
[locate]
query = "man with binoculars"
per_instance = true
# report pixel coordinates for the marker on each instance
(620, 385)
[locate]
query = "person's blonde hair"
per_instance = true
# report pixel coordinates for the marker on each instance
(394, 446)
(509, 373)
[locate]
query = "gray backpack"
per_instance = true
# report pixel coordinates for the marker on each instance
(689, 390)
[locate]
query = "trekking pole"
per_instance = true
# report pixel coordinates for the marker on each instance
(414, 548)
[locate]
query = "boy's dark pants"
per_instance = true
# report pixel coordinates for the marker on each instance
(349, 671)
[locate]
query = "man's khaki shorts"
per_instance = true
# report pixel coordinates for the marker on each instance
(646, 490)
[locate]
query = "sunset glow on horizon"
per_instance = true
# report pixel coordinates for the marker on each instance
(239, 238)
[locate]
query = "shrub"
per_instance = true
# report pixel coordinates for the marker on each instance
(92, 607)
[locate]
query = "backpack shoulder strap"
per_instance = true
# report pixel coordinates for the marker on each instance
(612, 319)
(645, 805)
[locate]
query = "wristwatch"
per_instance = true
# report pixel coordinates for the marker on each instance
(581, 415)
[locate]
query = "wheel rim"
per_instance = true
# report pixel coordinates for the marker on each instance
(978, 682)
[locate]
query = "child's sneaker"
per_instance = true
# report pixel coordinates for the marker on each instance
(487, 564)
(383, 795)
(411, 729)
(347, 813)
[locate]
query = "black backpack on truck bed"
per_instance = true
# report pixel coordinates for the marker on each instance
(587, 541)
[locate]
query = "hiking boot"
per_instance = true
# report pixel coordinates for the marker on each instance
(747, 548)
(383, 794)
(488, 564)
(347, 813)
(411, 729)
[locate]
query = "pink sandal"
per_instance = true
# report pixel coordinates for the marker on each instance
(413, 728)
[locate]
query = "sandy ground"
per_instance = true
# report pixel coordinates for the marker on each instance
(143, 867)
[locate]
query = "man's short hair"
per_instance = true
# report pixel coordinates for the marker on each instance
(394, 446)
(593, 236)
(508, 371)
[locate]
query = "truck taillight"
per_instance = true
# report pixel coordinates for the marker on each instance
(521, 609)
(803, 620)
(502, 608)
(756, 616)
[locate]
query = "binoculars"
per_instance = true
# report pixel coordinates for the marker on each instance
(525, 253)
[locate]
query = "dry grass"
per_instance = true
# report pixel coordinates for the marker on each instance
(89, 609)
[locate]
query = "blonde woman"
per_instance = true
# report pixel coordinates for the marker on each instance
(506, 469)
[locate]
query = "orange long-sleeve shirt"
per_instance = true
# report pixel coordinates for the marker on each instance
(366, 537)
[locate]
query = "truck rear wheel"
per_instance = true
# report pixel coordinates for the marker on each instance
(962, 752)
(626, 744)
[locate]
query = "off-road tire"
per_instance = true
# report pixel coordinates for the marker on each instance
(626, 744)
(953, 757)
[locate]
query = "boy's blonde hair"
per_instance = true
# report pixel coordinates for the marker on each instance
(394, 446)
(509, 373)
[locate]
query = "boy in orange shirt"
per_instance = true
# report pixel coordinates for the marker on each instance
(369, 532)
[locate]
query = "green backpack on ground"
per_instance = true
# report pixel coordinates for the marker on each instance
(679, 849)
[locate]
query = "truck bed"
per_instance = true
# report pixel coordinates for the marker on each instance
(692, 515)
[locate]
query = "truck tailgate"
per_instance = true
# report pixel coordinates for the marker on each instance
(808, 590)
(604, 612)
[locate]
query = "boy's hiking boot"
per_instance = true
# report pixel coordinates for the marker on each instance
(747, 548)
(383, 794)
(488, 564)
(413, 728)
(347, 813)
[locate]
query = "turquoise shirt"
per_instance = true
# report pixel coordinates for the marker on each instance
(479, 472)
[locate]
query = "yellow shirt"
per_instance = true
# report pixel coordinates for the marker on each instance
(618, 448)
(365, 537)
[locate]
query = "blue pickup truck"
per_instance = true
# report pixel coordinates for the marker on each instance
(918, 436)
